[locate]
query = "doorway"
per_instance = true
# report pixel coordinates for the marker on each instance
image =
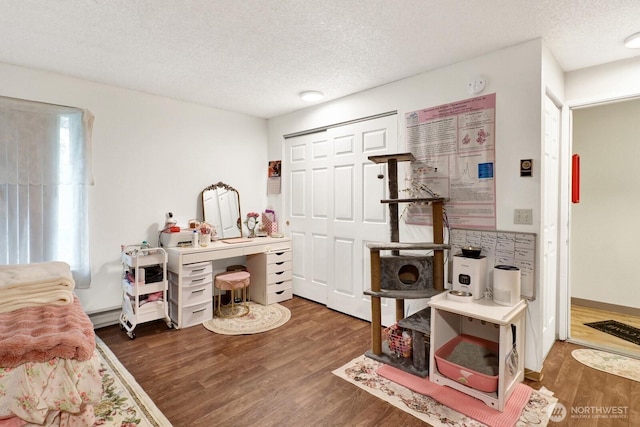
(604, 232)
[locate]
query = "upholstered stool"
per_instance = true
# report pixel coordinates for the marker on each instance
(238, 298)
(232, 281)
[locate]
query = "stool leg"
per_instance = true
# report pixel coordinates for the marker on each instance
(246, 301)
(233, 301)
(219, 298)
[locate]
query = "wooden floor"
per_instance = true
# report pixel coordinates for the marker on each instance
(581, 315)
(283, 377)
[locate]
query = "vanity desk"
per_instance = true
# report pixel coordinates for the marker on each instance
(191, 275)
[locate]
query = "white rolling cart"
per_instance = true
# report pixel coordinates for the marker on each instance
(141, 301)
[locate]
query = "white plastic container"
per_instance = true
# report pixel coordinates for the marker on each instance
(506, 285)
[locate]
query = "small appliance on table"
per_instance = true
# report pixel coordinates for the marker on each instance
(470, 272)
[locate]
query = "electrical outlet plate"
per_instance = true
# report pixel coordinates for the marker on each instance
(523, 216)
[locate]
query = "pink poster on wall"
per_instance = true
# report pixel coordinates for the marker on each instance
(454, 147)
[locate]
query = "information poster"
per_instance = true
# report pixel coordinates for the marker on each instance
(454, 148)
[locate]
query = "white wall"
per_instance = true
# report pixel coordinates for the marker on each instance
(514, 74)
(603, 83)
(151, 155)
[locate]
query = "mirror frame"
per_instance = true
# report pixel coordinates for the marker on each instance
(227, 187)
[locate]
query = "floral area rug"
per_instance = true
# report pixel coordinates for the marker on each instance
(609, 362)
(124, 403)
(362, 372)
(261, 318)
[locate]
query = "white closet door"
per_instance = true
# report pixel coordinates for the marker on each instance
(357, 216)
(306, 198)
(333, 207)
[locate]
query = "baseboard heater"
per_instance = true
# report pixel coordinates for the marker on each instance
(103, 318)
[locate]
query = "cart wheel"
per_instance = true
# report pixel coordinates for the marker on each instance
(131, 335)
(121, 326)
(169, 325)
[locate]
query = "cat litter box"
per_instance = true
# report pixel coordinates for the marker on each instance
(471, 361)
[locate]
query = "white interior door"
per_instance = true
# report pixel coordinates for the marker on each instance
(306, 199)
(550, 192)
(333, 209)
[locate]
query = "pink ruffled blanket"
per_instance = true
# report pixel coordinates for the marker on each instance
(39, 334)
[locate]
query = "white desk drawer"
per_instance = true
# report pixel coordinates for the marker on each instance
(190, 281)
(193, 314)
(278, 267)
(192, 294)
(279, 286)
(197, 269)
(194, 274)
(212, 255)
(279, 276)
(281, 256)
(279, 296)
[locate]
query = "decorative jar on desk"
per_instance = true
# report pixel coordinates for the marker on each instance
(204, 234)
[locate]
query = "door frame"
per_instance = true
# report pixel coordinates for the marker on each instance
(555, 286)
(564, 297)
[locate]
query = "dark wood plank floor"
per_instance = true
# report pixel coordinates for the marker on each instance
(283, 377)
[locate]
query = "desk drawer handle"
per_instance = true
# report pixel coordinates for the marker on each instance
(198, 291)
(198, 280)
(279, 293)
(197, 270)
(279, 253)
(280, 263)
(199, 311)
(279, 283)
(279, 273)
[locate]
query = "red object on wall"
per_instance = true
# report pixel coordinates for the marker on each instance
(575, 178)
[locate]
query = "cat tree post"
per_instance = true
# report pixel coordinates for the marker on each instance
(376, 309)
(437, 207)
(392, 170)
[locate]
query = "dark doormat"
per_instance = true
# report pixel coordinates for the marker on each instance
(620, 330)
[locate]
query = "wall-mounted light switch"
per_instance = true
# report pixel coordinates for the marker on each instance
(523, 216)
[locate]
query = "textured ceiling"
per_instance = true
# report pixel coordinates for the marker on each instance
(255, 56)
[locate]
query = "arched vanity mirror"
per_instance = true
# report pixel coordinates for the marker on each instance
(221, 208)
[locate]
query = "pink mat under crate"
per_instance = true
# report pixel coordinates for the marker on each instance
(461, 402)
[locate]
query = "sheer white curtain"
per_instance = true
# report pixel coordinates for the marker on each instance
(45, 171)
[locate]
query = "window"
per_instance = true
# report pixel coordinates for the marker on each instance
(45, 171)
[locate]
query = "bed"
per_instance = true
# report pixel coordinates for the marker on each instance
(49, 368)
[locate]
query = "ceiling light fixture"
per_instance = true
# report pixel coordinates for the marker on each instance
(311, 96)
(633, 41)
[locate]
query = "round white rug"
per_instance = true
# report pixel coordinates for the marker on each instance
(609, 362)
(261, 318)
